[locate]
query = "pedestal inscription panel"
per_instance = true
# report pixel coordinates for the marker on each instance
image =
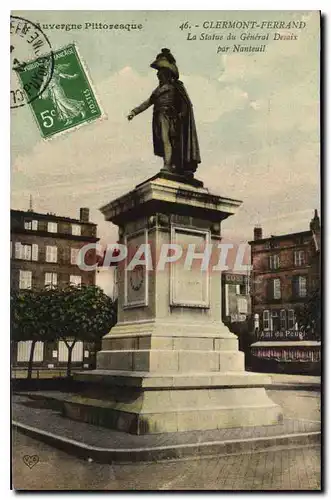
(189, 285)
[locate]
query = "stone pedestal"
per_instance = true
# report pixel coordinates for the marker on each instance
(170, 364)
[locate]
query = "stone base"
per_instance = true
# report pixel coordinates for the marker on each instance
(172, 405)
(186, 178)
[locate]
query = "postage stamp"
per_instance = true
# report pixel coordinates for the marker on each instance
(68, 99)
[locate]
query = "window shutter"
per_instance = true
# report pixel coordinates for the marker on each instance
(277, 289)
(18, 250)
(295, 284)
(34, 252)
(266, 320)
(283, 319)
(290, 318)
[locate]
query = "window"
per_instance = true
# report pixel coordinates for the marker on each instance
(25, 280)
(51, 253)
(31, 224)
(77, 352)
(52, 227)
(275, 324)
(266, 320)
(242, 306)
(75, 280)
(290, 319)
(302, 288)
(24, 348)
(50, 279)
(276, 288)
(299, 258)
(26, 252)
(273, 261)
(283, 319)
(74, 255)
(23, 252)
(76, 229)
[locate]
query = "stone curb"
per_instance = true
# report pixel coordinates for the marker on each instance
(149, 454)
(293, 387)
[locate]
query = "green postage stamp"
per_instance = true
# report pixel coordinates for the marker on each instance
(68, 99)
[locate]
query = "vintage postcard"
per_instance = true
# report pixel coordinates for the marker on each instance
(165, 250)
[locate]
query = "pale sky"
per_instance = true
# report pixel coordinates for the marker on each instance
(257, 118)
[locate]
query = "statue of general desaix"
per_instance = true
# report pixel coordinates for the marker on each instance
(174, 132)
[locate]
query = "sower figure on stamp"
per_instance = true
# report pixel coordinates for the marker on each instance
(174, 133)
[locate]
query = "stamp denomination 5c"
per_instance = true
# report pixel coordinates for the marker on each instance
(68, 100)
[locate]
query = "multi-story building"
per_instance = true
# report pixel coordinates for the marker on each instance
(44, 250)
(285, 271)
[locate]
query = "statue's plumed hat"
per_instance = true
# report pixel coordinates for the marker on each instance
(166, 60)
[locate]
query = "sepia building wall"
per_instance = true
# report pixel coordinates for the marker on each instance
(31, 234)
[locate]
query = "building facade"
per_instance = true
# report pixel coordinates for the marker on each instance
(44, 250)
(285, 271)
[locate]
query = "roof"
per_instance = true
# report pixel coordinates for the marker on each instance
(281, 237)
(287, 343)
(49, 216)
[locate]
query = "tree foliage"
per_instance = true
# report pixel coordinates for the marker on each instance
(309, 318)
(80, 313)
(30, 319)
(70, 314)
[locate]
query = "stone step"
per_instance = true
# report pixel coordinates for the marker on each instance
(165, 361)
(166, 380)
(168, 342)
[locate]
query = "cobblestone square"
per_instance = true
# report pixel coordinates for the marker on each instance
(281, 469)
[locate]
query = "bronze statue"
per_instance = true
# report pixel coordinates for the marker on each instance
(174, 133)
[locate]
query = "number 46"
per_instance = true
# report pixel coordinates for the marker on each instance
(46, 116)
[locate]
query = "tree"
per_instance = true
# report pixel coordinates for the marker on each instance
(309, 317)
(80, 313)
(29, 319)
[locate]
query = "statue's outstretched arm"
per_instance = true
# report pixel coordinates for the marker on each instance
(139, 109)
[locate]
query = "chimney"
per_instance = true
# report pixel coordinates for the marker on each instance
(257, 233)
(315, 222)
(84, 214)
